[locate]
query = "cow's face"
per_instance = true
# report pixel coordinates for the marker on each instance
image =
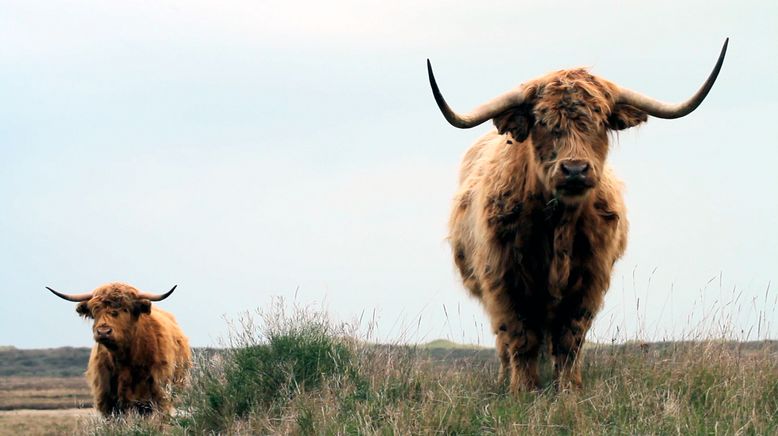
(567, 119)
(115, 310)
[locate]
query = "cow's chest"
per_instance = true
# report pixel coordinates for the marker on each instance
(541, 241)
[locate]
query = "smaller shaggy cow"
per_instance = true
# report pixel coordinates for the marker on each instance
(140, 350)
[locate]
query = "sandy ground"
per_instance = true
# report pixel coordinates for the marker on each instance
(20, 393)
(51, 412)
(43, 422)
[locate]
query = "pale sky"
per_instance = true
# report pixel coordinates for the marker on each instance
(251, 149)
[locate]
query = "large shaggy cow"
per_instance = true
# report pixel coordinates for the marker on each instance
(140, 350)
(539, 218)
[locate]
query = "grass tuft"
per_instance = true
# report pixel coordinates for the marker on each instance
(265, 368)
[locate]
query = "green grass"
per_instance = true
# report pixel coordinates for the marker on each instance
(265, 373)
(297, 373)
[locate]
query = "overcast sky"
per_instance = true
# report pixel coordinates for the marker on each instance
(251, 149)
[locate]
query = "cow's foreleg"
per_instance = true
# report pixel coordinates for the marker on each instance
(523, 350)
(106, 403)
(103, 383)
(518, 346)
(504, 356)
(567, 338)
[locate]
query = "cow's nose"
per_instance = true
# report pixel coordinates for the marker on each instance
(574, 168)
(104, 331)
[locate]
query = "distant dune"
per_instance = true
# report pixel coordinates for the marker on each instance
(449, 345)
(52, 362)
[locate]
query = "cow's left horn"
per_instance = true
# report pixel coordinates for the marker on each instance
(477, 116)
(71, 297)
(156, 297)
(660, 109)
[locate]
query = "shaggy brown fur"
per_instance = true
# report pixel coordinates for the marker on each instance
(143, 354)
(537, 250)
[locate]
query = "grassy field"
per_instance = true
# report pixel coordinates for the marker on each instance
(296, 373)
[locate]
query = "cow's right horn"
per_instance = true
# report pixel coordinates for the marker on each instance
(659, 109)
(71, 297)
(484, 112)
(156, 297)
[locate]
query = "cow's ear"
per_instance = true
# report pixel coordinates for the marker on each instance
(83, 309)
(517, 121)
(140, 307)
(625, 116)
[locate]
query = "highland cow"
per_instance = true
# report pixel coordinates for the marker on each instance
(140, 351)
(539, 219)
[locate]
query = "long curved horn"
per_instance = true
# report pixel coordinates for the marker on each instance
(660, 109)
(156, 297)
(71, 297)
(486, 111)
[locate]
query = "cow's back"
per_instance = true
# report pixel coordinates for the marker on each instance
(174, 344)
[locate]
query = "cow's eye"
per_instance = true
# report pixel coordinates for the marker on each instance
(114, 313)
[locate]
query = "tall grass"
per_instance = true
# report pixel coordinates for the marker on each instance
(264, 368)
(293, 371)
